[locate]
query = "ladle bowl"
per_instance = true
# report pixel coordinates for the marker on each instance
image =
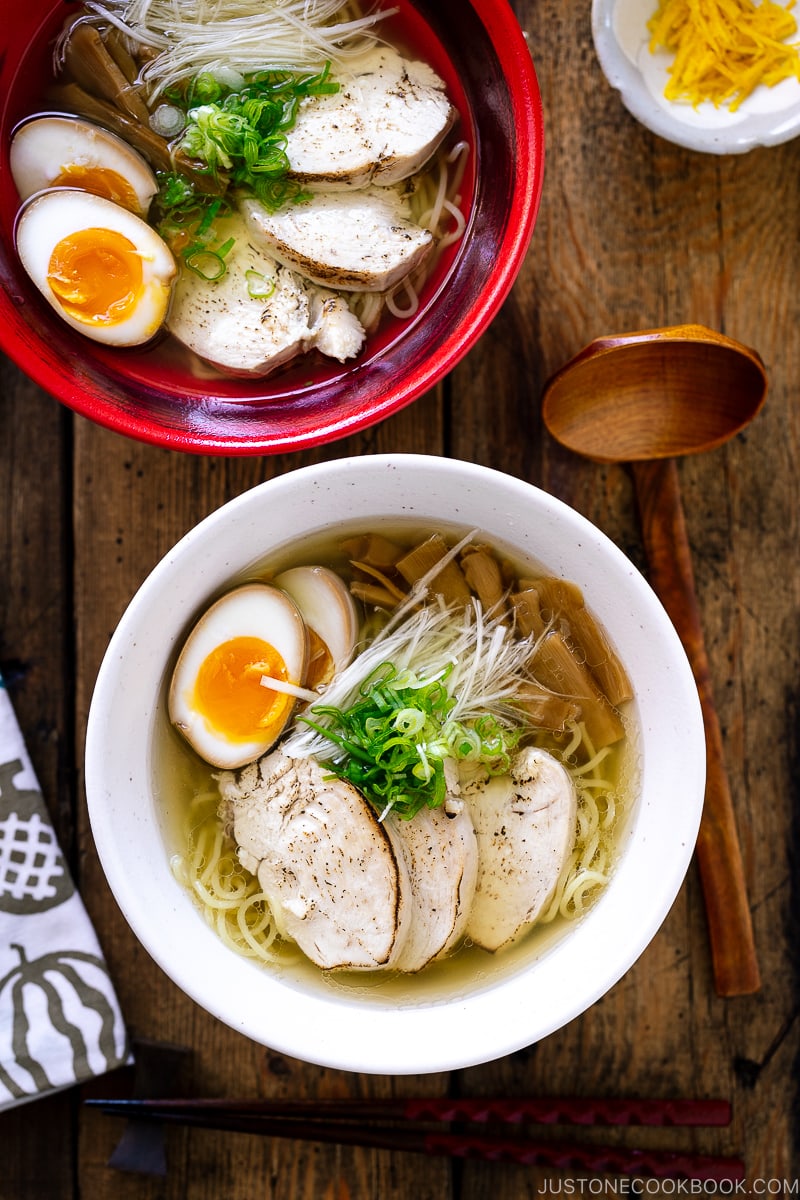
(645, 398)
(658, 393)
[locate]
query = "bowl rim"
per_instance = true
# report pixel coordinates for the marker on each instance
(65, 381)
(768, 123)
(425, 1037)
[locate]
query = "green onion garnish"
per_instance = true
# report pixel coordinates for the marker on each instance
(258, 286)
(208, 264)
(243, 133)
(397, 736)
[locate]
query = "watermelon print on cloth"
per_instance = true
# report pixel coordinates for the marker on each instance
(60, 1021)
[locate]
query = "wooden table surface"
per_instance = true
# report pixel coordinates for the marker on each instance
(633, 232)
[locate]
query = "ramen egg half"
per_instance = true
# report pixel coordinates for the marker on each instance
(216, 697)
(61, 151)
(104, 270)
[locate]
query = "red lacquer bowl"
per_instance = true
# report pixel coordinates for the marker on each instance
(479, 48)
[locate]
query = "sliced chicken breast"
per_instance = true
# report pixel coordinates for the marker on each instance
(335, 330)
(356, 241)
(442, 857)
(525, 824)
(335, 883)
(258, 315)
(388, 118)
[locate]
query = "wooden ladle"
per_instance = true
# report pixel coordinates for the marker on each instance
(644, 398)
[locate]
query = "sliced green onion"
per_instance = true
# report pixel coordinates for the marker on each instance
(208, 264)
(258, 286)
(394, 740)
(208, 217)
(175, 191)
(167, 121)
(409, 720)
(203, 89)
(241, 130)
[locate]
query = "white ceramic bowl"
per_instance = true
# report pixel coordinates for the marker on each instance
(523, 998)
(768, 116)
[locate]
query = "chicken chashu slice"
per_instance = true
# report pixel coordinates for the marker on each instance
(442, 856)
(386, 121)
(525, 823)
(361, 241)
(335, 883)
(259, 315)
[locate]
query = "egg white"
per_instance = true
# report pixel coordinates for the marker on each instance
(327, 607)
(43, 148)
(253, 610)
(52, 216)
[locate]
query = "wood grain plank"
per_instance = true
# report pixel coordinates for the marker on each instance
(34, 653)
(35, 531)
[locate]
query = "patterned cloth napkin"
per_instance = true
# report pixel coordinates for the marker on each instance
(60, 1021)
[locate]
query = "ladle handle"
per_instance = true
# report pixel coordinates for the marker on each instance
(718, 853)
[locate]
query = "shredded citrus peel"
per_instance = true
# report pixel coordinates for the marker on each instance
(724, 48)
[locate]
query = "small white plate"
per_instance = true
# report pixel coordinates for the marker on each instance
(768, 116)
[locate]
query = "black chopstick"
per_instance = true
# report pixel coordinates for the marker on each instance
(262, 1117)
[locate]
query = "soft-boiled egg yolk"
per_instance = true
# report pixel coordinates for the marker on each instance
(229, 694)
(96, 275)
(102, 268)
(100, 181)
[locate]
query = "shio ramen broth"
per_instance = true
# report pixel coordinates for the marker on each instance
(208, 242)
(204, 857)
